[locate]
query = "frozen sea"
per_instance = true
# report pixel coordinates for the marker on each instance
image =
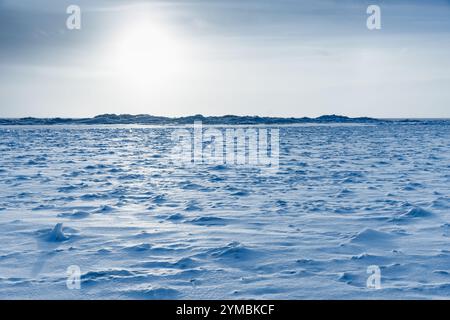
(137, 226)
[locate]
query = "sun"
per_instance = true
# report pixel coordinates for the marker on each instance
(146, 53)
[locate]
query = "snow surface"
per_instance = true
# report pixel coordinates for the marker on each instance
(139, 227)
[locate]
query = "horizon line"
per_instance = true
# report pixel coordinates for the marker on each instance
(218, 116)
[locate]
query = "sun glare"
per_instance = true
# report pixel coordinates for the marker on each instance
(147, 53)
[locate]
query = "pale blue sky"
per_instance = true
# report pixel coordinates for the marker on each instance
(247, 57)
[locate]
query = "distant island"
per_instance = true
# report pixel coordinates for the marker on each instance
(146, 119)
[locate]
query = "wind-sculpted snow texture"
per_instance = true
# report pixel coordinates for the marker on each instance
(139, 226)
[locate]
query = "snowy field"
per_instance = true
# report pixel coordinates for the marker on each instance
(139, 227)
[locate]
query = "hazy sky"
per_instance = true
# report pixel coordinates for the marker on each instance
(214, 57)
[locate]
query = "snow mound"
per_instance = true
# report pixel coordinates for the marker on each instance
(152, 293)
(209, 221)
(233, 250)
(57, 234)
(76, 214)
(371, 236)
(418, 212)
